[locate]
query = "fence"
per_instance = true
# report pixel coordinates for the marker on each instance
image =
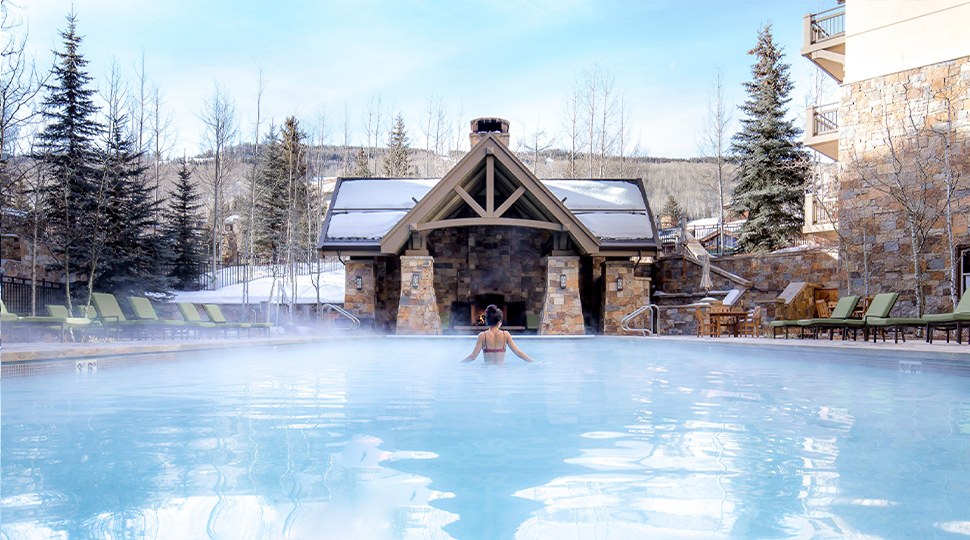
(234, 273)
(16, 295)
(828, 24)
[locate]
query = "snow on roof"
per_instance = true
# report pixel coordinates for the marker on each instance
(366, 225)
(385, 194)
(616, 225)
(597, 194)
(331, 291)
(365, 209)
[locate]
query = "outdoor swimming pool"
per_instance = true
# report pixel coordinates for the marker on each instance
(393, 438)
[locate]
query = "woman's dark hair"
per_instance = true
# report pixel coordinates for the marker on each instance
(493, 315)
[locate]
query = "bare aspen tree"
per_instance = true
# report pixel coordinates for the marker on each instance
(161, 131)
(622, 135)
(253, 171)
(607, 136)
(537, 142)
(461, 135)
(427, 129)
(346, 145)
(139, 107)
(573, 129)
(952, 180)
(219, 118)
(904, 172)
(590, 109)
(441, 129)
(20, 85)
(715, 140)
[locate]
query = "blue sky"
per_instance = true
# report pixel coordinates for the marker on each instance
(503, 58)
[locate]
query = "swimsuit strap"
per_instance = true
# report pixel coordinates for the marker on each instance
(486, 349)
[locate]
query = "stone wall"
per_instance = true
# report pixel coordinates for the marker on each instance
(679, 283)
(916, 111)
(562, 312)
(362, 303)
(620, 303)
(470, 261)
(387, 293)
(417, 311)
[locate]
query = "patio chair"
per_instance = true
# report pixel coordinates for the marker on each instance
(58, 324)
(878, 309)
(145, 311)
(957, 320)
(751, 325)
(191, 315)
(840, 314)
(215, 315)
(6, 316)
(705, 326)
(112, 318)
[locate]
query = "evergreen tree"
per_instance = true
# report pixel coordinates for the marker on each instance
(672, 210)
(134, 253)
(397, 163)
(772, 165)
(183, 225)
(283, 190)
(66, 148)
(361, 169)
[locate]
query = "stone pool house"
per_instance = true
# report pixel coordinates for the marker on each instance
(428, 255)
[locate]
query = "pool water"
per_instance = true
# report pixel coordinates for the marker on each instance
(605, 438)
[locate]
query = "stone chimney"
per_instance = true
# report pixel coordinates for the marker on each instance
(484, 126)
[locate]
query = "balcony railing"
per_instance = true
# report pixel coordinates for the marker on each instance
(828, 24)
(825, 119)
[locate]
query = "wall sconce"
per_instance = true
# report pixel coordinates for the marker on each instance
(619, 284)
(359, 282)
(562, 281)
(414, 281)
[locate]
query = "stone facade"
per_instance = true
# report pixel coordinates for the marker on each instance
(417, 311)
(916, 110)
(471, 261)
(361, 303)
(562, 312)
(387, 293)
(620, 303)
(769, 273)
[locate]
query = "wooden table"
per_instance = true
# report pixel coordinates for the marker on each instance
(738, 316)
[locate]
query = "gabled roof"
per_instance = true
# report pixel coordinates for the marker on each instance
(489, 186)
(511, 194)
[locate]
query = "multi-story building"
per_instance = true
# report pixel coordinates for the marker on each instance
(900, 134)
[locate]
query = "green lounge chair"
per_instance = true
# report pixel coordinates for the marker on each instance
(841, 312)
(191, 315)
(878, 310)
(957, 320)
(144, 311)
(111, 316)
(215, 315)
(58, 321)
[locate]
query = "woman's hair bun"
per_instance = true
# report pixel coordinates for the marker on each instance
(493, 315)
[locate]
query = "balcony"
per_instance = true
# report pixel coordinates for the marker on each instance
(824, 41)
(818, 221)
(822, 129)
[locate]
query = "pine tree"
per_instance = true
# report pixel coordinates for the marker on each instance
(672, 210)
(772, 166)
(361, 169)
(134, 253)
(283, 190)
(66, 148)
(397, 163)
(183, 226)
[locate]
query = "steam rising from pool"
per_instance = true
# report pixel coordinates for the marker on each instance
(393, 438)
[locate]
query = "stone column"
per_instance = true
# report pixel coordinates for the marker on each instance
(417, 312)
(361, 303)
(618, 304)
(562, 313)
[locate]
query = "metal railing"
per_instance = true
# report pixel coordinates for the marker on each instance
(828, 24)
(653, 330)
(825, 119)
(330, 308)
(16, 295)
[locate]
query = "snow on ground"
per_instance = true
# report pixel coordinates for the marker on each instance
(331, 291)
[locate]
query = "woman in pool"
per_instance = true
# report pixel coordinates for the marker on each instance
(492, 342)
